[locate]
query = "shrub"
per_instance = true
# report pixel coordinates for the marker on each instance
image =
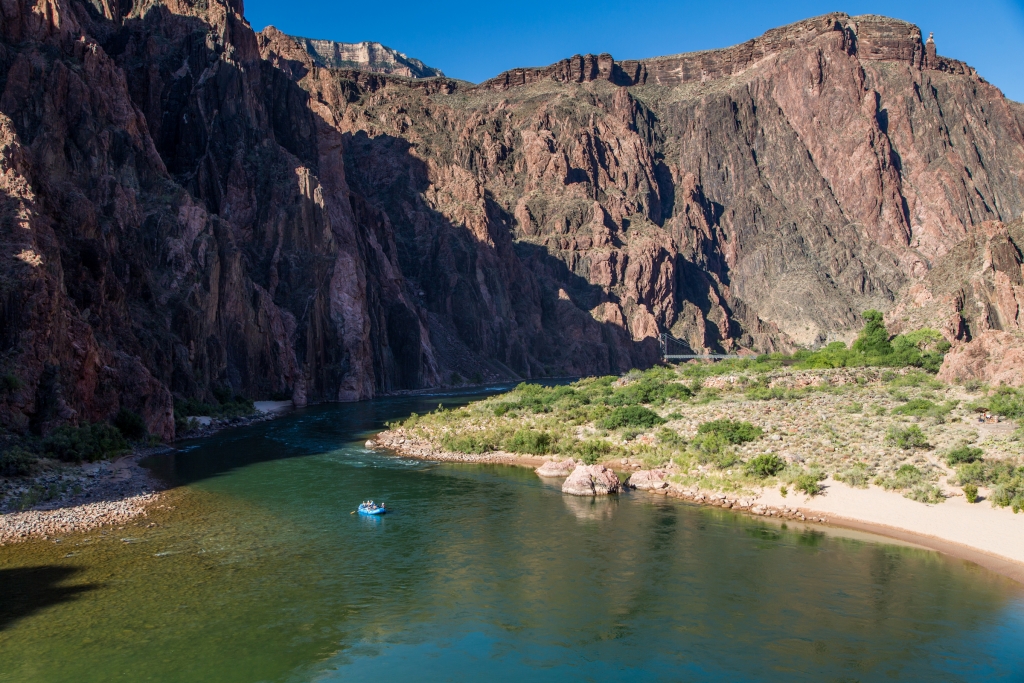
(766, 465)
(732, 431)
(529, 441)
(922, 407)
(652, 387)
(89, 442)
(971, 493)
(925, 493)
(856, 476)
(480, 442)
(131, 424)
(17, 462)
(631, 416)
(907, 476)
(808, 483)
(456, 378)
(906, 439)
(964, 455)
(592, 451)
(1010, 494)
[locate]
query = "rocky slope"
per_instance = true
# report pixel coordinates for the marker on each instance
(365, 56)
(189, 207)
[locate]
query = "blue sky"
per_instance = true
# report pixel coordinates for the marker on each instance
(477, 40)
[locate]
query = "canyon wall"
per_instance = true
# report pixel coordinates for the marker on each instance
(189, 207)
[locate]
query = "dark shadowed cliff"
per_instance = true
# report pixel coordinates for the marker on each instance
(187, 206)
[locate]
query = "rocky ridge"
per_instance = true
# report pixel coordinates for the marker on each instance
(187, 207)
(365, 56)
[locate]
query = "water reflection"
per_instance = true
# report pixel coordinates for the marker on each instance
(261, 573)
(587, 508)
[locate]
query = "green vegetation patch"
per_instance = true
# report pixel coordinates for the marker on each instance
(907, 438)
(87, 443)
(732, 431)
(17, 462)
(963, 455)
(631, 416)
(922, 407)
(764, 466)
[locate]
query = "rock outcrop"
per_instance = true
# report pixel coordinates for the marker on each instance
(556, 468)
(191, 209)
(591, 480)
(364, 56)
(648, 480)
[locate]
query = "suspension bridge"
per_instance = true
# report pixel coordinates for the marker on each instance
(677, 349)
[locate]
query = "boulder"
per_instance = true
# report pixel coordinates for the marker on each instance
(591, 480)
(552, 468)
(648, 480)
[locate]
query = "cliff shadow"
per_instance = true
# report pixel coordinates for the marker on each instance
(506, 300)
(27, 590)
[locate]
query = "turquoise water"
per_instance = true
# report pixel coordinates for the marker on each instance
(260, 573)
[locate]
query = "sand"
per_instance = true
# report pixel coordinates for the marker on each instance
(990, 536)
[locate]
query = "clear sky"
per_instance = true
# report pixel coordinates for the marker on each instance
(479, 39)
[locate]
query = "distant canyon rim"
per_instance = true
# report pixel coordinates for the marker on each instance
(190, 207)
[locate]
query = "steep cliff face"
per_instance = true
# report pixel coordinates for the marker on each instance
(756, 196)
(188, 206)
(365, 56)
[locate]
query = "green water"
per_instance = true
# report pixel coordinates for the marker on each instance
(259, 573)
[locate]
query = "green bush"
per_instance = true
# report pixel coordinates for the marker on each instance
(732, 431)
(808, 483)
(906, 439)
(971, 493)
(964, 455)
(765, 465)
(922, 407)
(1010, 494)
(906, 477)
(856, 476)
(474, 442)
(873, 347)
(631, 416)
(653, 387)
(529, 441)
(925, 493)
(88, 443)
(131, 425)
(9, 383)
(17, 462)
(591, 451)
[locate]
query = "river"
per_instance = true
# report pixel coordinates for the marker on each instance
(255, 570)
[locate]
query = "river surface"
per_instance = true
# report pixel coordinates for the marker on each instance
(257, 571)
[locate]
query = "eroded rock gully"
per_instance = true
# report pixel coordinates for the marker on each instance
(188, 205)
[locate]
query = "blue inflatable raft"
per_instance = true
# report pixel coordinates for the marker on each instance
(371, 508)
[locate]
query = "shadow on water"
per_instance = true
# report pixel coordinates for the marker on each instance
(27, 590)
(317, 429)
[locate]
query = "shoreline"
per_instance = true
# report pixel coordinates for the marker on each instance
(110, 492)
(845, 509)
